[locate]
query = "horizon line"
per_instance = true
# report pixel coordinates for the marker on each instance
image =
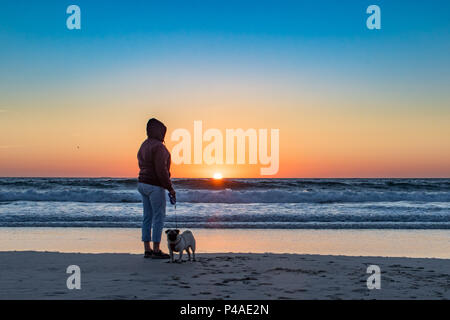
(224, 178)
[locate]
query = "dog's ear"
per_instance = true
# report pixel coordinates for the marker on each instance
(177, 231)
(167, 231)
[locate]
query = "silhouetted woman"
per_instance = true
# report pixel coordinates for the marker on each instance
(154, 178)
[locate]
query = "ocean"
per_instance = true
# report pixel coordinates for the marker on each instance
(231, 203)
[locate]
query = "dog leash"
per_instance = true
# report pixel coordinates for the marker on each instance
(173, 201)
(176, 219)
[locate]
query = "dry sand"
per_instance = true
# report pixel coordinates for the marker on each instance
(42, 275)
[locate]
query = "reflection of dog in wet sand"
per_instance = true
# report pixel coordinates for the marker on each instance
(178, 242)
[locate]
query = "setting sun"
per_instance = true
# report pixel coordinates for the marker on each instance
(217, 176)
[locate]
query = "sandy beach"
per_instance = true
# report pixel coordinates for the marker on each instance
(42, 275)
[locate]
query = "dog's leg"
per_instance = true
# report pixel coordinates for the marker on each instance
(171, 255)
(193, 249)
(189, 253)
(181, 255)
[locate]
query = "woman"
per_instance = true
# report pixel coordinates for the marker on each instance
(154, 178)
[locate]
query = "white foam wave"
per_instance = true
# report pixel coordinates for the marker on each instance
(228, 196)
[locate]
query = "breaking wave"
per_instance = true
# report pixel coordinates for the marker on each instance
(228, 196)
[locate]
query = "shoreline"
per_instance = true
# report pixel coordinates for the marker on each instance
(42, 275)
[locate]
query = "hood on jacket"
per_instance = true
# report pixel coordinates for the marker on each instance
(156, 129)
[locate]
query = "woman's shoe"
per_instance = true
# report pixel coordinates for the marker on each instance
(148, 254)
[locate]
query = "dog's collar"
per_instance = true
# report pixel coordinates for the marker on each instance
(174, 244)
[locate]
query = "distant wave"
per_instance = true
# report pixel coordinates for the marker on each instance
(325, 196)
(210, 216)
(228, 196)
(236, 225)
(328, 226)
(236, 218)
(235, 184)
(55, 183)
(71, 195)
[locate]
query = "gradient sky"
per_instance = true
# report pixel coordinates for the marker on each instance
(349, 102)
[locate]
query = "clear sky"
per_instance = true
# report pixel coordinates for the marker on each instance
(349, 101)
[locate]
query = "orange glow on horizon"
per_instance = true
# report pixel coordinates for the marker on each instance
(318, 139)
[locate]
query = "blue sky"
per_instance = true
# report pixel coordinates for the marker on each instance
(234, 32)
(224, 35)
(281, 18)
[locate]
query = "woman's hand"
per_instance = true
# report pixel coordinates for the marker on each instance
(173, 197)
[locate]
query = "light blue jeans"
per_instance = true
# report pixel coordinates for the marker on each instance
(154, 203)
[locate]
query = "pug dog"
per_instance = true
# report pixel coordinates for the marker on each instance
(178, 242)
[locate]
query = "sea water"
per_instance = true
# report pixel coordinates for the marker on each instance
(231, 203)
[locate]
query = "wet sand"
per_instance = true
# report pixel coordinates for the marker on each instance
(385, 243)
